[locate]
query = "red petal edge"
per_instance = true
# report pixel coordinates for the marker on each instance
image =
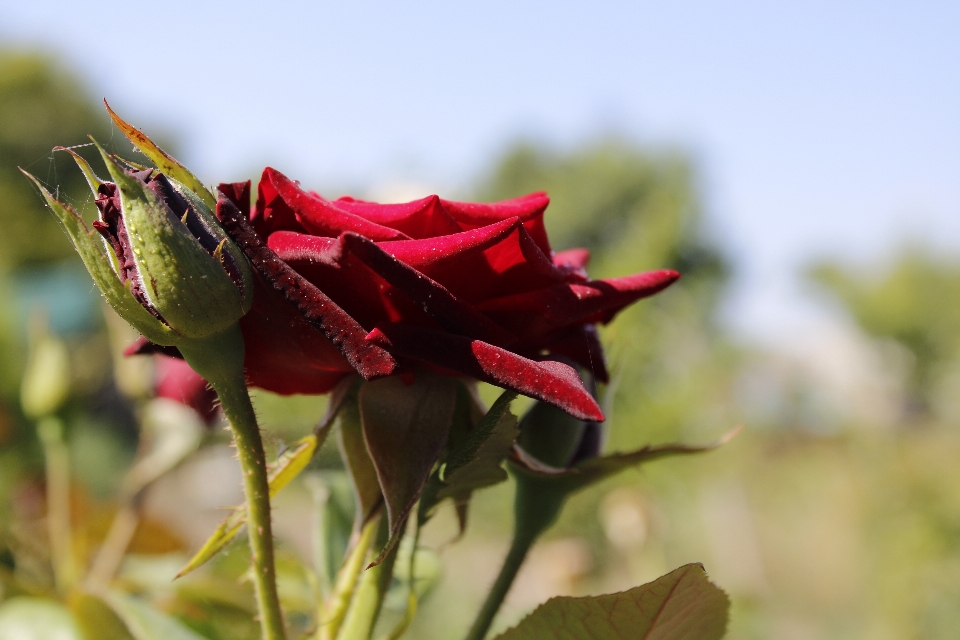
(550, 381)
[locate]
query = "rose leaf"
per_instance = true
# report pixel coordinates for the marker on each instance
(682, 605)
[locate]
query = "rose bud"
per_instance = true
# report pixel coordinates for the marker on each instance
(166, 251)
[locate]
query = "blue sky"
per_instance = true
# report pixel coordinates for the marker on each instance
(821, 128)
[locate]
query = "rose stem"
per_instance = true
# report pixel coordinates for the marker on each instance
(334, 610)
(519, 547)
(368, 596)
(536, 505)
(219, 359)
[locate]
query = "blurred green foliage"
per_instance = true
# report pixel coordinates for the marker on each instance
(914, 301)
(42, 104)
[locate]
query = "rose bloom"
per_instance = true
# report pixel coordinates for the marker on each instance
(465, 289)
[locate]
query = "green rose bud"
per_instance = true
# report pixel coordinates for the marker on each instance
(181, 266)
(163, 263)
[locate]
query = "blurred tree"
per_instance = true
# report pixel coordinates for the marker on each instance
(42, 104)
(635, 209)
(915, 302)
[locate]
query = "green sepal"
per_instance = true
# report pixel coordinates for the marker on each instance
(85, 167)
(542, 492)
(405, 427)
(167, 164)
(99, 261)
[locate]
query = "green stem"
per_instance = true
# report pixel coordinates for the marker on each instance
(508, 572)
(334, 610)
(219, 359)
(536, 505)
(57, 462)
(368, 598)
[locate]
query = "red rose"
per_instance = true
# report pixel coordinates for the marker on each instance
(466, 289)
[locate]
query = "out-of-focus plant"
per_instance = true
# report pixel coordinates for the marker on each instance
(915, 301)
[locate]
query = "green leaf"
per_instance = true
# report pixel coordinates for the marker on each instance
(477, 461)
(682, 605)
(290, 463)
(405, 427)
(145, 622)
(162, 159)
(25, 618)
(596, 469)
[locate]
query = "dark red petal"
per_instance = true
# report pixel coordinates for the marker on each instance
(582, 345)
(444, 251)
(501, 261)
(271, 213)
(143, 347)
(315, 306)
(441, 305)
(549, 381)
(424, 218)
(347, 281)
(528, 208)
(572, 258)
(284, 352)
(178, 381)
(566, 304)
(321, 217)
(239, 194)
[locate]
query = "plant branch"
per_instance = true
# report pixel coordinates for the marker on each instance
(335, 608)
(519, 547)
(219, 359)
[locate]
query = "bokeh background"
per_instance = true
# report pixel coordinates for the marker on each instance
(796, 161)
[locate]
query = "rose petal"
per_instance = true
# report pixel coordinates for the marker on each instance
(572, 258)
(534, 312)
(424, 218)
(143, 347)
(494, 260)
(528, 208)
(285, 353)
(441, 305)
(345, 279)
(549, 381)
(445, 252)
(319, 216)
(315, 306)
(271, 213)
